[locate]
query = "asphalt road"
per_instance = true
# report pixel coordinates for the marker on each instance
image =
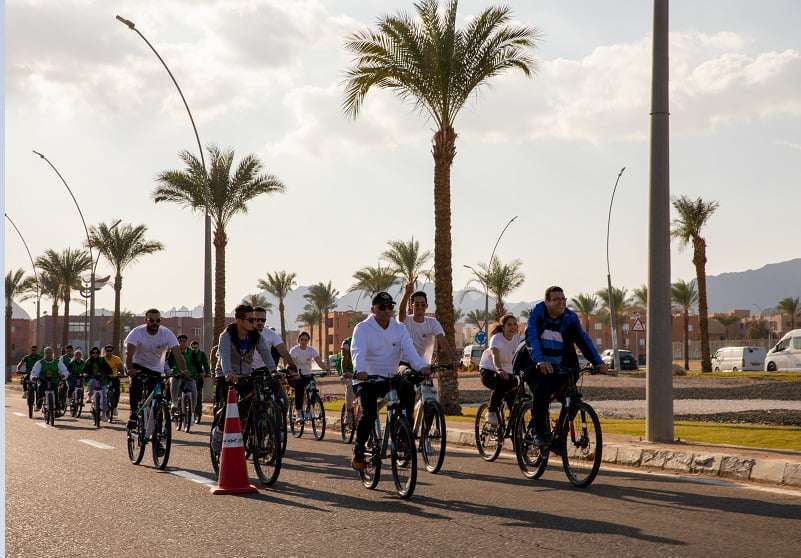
(72, 491)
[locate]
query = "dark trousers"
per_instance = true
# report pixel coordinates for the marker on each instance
(502, 389)
(243, 387)
(115, 395)
(144, 379)
(72, 381)
(199, 403)
(299, 385)
(543, 387)
(368, 394)
(44, 385)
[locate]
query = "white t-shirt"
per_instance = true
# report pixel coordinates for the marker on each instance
(150, 349)
(303, 358)
(273, 340)
(506, 351)
(424, 335)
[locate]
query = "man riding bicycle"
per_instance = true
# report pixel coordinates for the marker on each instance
(198, 365)
(179, 381)
(98, 374)
(117, 369)
(277, 348)
(48, 369)
(146, 347)
(426, 332)
(27, 362)
(553, 332)
(379, 345)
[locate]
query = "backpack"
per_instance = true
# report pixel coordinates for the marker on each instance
(522, 363)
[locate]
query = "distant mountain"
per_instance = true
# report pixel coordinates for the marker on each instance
(764, 287)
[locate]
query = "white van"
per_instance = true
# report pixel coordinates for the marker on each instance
(472, 353)
(738, 358)
(786, 355)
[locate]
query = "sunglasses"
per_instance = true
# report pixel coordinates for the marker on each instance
(260, 320)
(385, 307)
(154, 321)
(251, 320)
(94, 353)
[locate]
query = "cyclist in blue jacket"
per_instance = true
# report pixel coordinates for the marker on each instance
(552, 335)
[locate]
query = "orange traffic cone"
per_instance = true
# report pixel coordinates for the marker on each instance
(233, 477)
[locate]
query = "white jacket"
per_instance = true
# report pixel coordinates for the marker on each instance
(379, 351)
(37, 369)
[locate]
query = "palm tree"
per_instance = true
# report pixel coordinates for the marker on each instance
(437, 67)
(477, 318)
(121, 246)
(311, 317)
(727, 322)
(685, 297)
(18, 287)
(406, 259)
(457, 314)
(323, 297)
(371, 280)
(500, 280)
(67, 266)
(586, 305)
(279, 284)
(693, 215)
(356, 317)
(223, 194)
(50, 287)
(641, 297)
(790, 306)
(525, 314)
(258, 299)
(622, 307)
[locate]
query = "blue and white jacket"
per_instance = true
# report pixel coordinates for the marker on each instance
(554, 340)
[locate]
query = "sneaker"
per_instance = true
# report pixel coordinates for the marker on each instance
(357, 462)
(492, 418)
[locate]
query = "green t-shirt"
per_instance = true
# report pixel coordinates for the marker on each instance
(49, 370)
(192, 364)
(76, 367)
(30, 360)
(66, 360)
(340, 359)
(94, 368)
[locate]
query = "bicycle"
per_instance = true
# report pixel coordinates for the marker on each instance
(576, 439)
(184, 411)
(49, 404)
(348, 429)
(152, 424)
(429, 419)
(108, 409)
(31, 395)
(278, 404)
(399, 440)
(490, 437)
(314, 412)
(259, 434)
(99, 403)
(76, 405)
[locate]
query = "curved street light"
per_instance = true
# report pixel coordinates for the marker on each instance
(207, 302)
(613, 317)
(35, 274)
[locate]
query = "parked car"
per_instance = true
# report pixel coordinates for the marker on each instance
(738, 358)
(472, 353)
(627, 360)
(786, 355)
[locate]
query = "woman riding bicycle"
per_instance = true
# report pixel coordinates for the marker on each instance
(496, 365)
(75, 368)
(98, 375)
(303, 355)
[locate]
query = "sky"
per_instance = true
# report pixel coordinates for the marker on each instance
(265, 77)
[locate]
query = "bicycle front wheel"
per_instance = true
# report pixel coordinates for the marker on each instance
(489, 437)
(531, 458)
(295, 422)
(372, 461)
(403, 457)
(188, 411)
(276, 414)
(215, 446)
(162, 436)
(316, 413)
(31, 397)
(265, 448)
(433, 436)
(582, 445)
(136, 440)
(346, 424)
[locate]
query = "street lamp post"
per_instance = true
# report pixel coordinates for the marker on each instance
(88, 242)
(208, 325)
(35, 274)
(613, 316)
(659, 382)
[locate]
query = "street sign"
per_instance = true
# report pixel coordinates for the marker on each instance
(637, 324)
(480, 338)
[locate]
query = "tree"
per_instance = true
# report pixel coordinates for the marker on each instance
(586, 305)
(279, 284)
(622, 307)
(758, 329)
(67, 266)
(457, 314)
(258, 299)
(121, 246)
(323, 297)
(50, 287)
(406, 259)
(477, 318)
(791, 306)
(356, 317)
(500, 280)
(18, 287)
(684, 298)
(727, 322)
(692, 216)
(371, 280)
(438, 68)
(641, 298)
(223, 194)
(311, 317)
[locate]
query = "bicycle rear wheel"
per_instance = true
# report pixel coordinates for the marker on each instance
(346, 430)
(30, 397)
(403, 457)
(582, 445)
(51, 411)
(96, 409)
(265, 448)
(187, 411)
(295, 424)
(136, 440)
(531, 458)
(433, 436)
(489, 437)
(316, 413)
(372, 461)
(214, 452)
(276, 413)
(162, 436)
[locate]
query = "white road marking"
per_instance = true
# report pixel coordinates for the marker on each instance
(19, 414)
(41, 425)
(96, 444)
(193, 477)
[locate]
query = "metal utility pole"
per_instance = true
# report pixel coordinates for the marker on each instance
(613, 316)
(659, 383)
(35, 274)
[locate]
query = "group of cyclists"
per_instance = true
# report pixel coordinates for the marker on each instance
(369, 362)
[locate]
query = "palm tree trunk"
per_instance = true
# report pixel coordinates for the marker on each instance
(320, 335)
(9, 310)
(325, 341)
(54, 322)
(686, 339)
(443, 151)
(586, 323)
(220, 242)
(65, 330)
(283, 323)
(115, 336)
(499, 309)
(699, 259)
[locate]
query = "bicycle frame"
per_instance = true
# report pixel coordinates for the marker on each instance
(148, 407)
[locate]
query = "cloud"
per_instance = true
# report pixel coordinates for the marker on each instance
(788, 144)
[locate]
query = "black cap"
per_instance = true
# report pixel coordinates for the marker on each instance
(382, 298)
